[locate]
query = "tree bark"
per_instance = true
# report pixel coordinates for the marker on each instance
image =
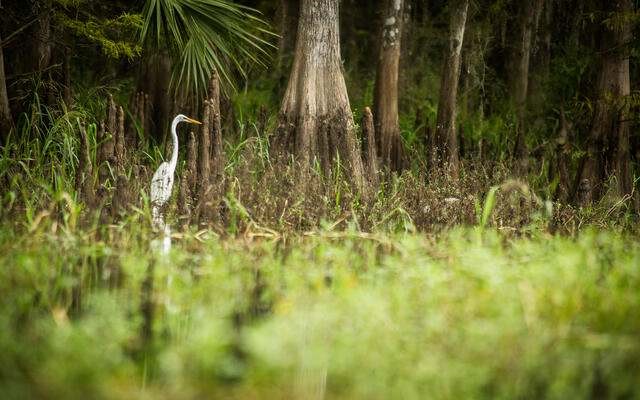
(526, 28)
(316, 122)
(389, 143)
(43, 48)
(154, 79)
(446, 135)
(608, 142)
(369, 146)
(84, 172)
(288, 11)
(215, 124)
(6, 121)
(541, 54)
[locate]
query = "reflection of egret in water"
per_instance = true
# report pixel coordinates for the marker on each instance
(162, 245)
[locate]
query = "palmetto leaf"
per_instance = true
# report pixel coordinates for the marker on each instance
(205, 35)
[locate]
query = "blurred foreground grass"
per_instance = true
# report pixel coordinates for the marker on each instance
(340, 315)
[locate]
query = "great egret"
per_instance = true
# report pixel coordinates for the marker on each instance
(162, 181)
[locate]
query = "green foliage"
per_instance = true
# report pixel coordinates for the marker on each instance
(484, 213)
(116, 36)
(389, 316)
(205, 36)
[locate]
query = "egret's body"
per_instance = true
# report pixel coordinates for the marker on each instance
(162, 181)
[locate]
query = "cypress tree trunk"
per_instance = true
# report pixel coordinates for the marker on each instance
(153, 80)
(446, 134)
(288, 11)
(527, 26)
(315, 117)
(387, 128)
(608, 142)
(6, 121)
(541, 54)
(43, 50)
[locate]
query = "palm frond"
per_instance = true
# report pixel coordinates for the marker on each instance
(206, 35)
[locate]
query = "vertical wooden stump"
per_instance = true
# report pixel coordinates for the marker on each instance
(121, 199)
(188, 180)
(120, 145)
(204, 165)
(84, 173)
(217, 157)
(368, 136)
(103, 154)
(192, 163)
(204, 159)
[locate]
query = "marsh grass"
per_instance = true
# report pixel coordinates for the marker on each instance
(463, 314)
(428, 289)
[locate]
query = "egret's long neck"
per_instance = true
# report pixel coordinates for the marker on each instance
(174, 137)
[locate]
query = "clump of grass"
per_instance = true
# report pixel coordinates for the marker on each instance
(352, 314)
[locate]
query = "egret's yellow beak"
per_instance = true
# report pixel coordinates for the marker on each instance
(193, 121)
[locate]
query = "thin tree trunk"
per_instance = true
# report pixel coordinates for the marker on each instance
(608, 142)
(316, 122)
(369, 146)
(43, 48)
(6, 121)
(67, 96)
(84, 172)
(541, 54)
(387, 127)
(446, 134)
(216, 152)
(562, 160)
(527, 26)
(204, 159)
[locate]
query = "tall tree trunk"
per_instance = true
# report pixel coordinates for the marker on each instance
(316, 122)
(387, 127)
(608, 142)
(43, 48)
(153, 80)
(288, 11)
(6, 121)
(446, 134)
(526, 28)
(541, 54)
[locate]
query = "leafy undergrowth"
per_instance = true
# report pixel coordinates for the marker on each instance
(468, 313)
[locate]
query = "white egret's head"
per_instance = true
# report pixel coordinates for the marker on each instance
(184, 118)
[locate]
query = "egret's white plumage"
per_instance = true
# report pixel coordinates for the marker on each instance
(162, 181)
